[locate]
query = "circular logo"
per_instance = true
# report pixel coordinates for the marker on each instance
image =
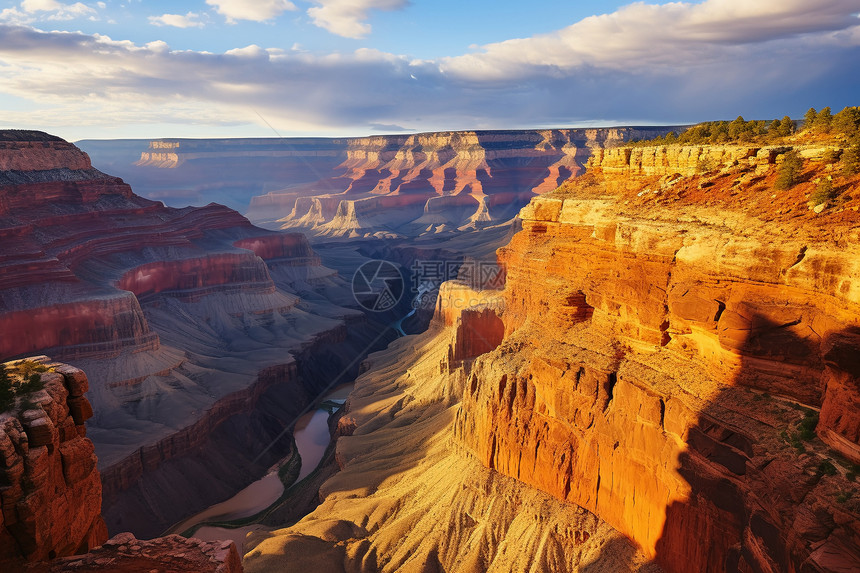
(377, 286)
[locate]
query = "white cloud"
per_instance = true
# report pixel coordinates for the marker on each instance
(254, 10)
(15, 16)
(347, 18)
(643, 36)
(189, 20)
(252, 51)
(56, 10)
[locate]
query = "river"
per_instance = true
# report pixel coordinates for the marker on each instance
(312, 437)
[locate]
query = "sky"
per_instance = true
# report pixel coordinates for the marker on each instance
(260, 68)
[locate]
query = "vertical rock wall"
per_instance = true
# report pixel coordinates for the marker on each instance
(50, 488)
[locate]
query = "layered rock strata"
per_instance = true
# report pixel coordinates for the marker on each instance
(666, 355)
(49, 485)
(408, 498)
(183, 318)
(439, 182)
(430, 183)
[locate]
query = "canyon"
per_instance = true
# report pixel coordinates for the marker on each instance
(387, 185)
(200, 333)
(664, 376)
(671, 367)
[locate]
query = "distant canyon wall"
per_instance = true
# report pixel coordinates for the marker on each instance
(425, 183)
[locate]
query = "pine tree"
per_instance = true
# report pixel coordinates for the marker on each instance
(824, 192)
(847, 121)
(823, 121)
(789, 170)
(737, 127)
(809, 118)
(851, 160)
(7, 394)
(786, 126)
(773, 128)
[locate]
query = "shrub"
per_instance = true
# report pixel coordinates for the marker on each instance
(851, 160)
(832, 156)
(824, 192)
(789, 170)
(7, 394)
(808, 424)
(704, 164)
(33, 384)
(844, 496)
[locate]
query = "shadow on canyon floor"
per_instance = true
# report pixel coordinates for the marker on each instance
(240, 449)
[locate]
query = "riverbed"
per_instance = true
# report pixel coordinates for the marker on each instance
(311, 434)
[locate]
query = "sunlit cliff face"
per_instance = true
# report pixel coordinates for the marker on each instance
(653, 359)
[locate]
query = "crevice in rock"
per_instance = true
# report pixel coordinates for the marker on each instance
(800, 256)
(721, 307)
(609, 387)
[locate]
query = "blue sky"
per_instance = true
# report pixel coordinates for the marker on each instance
(422, 29)
(208, 68)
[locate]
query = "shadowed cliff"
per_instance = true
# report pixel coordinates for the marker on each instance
(769, 494)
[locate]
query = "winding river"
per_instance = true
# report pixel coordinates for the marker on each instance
(311, 434)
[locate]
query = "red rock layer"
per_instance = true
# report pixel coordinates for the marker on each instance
(49, 485)
(153, 301)
(100, 327)
(36, 151)
(654, 368)
(76, 242)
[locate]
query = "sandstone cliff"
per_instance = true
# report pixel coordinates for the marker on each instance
(51, 497)
(674, 357)
(49, 486)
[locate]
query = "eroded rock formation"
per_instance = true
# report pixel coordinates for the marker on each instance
(439, 182)
(430, 183)
(674, 352)
(184, 319)
(50, 489)
(170, 554)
